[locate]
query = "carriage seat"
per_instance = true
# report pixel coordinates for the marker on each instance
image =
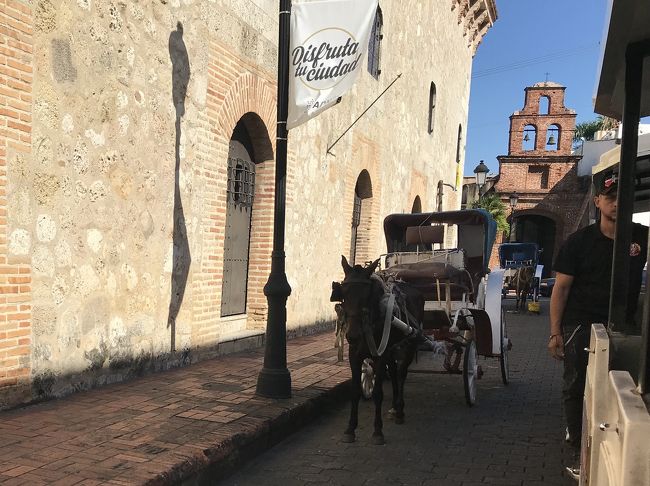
(425, 235)
(426, 275)
(426, 270)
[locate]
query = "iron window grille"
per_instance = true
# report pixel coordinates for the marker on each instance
(374, 45)
(241, 181)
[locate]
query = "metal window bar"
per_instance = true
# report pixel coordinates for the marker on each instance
(356, 221)
(241, 181)
(374, 45)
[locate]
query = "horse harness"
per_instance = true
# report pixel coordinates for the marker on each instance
(367, 319)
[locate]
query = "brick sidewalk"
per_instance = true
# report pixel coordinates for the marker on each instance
(187, 424)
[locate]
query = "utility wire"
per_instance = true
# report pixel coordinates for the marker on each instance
(561, 54)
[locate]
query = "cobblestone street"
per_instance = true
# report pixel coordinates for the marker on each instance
(513, 436)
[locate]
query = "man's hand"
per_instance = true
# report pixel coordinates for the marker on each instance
(556, 346)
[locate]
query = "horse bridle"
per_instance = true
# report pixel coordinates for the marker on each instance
(366, 328)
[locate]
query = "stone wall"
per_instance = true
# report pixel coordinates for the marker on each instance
(113, 218)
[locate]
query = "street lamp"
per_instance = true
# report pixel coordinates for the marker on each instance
(481, 172)
(514, 199)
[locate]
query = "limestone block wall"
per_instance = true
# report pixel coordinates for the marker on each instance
(116, 121)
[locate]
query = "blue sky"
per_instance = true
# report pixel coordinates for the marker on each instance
(559, 37)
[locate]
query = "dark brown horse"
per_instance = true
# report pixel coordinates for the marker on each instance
(521, 281)
(361, 294)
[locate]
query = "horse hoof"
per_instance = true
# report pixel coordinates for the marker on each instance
(348, 438)
(378, 439)
(392, 412)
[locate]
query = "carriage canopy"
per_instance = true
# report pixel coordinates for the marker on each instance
(515, 255)
(476, 230)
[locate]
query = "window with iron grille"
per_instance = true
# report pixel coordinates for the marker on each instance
(432, 107)
(458, 142)
(356, 221)
(374, 45)
(241, 182)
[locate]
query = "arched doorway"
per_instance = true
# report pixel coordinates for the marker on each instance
(361, 219)
(417, 205)
(535, 228)
(239, 209)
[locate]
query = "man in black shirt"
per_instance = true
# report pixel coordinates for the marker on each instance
(581, 297)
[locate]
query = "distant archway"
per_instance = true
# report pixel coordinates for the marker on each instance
(535, 228)
(361, 219)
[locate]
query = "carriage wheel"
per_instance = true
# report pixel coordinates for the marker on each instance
(367, 378)
(470, 372)
(505, 345)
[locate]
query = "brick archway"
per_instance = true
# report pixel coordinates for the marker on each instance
(235, 92)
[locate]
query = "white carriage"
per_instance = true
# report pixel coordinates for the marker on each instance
(462, 297)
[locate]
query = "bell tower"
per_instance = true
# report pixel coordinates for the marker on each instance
(544, 127)
(542, 170)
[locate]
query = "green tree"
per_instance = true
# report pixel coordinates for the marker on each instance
(587, 130)
(493, 204)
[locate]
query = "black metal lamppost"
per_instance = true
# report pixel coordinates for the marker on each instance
(274, 381)
(481, 172)
(514, 199)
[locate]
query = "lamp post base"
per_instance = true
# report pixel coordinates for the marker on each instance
(274, 383)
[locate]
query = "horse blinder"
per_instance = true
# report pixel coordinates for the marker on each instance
(337, 292)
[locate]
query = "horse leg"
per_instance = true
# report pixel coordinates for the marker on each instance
(355, 368)
(517, 302)
(398, 397)
(378, 397)
(392, 371)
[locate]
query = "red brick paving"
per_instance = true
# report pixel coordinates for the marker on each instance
(166, 427)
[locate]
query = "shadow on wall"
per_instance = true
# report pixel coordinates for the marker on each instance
(181, 258)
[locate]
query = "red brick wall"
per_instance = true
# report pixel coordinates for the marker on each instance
(235, 88)
(526, 172)
(16, 75)
(562, 201)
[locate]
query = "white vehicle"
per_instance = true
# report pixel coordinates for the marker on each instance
(462, 297)
(616, 423)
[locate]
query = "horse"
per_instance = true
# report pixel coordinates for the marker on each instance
(523, 279)
(361, 293)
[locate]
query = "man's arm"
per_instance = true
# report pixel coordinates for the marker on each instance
(559, 297)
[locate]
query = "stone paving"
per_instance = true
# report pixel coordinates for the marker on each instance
(512, 436)
(192, 424)
(198, 424)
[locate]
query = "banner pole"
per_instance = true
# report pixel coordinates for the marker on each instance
(274, 381)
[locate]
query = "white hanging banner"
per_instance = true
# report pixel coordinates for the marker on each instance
(328, 41)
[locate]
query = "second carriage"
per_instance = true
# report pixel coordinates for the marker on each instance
(462, 297)
(512, 257)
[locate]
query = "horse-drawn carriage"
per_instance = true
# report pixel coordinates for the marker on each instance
(462, 298)
(425, 296)
(522, 272)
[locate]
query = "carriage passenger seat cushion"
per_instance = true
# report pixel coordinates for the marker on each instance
(424, 235)
(426, 271)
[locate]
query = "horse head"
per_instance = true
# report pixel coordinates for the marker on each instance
(359, 293)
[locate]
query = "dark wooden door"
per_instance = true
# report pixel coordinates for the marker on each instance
(239, 208)
(356, 220)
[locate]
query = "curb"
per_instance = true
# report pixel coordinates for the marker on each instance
(226, 456)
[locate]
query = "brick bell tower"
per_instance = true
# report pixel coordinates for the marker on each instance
(540, 168)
